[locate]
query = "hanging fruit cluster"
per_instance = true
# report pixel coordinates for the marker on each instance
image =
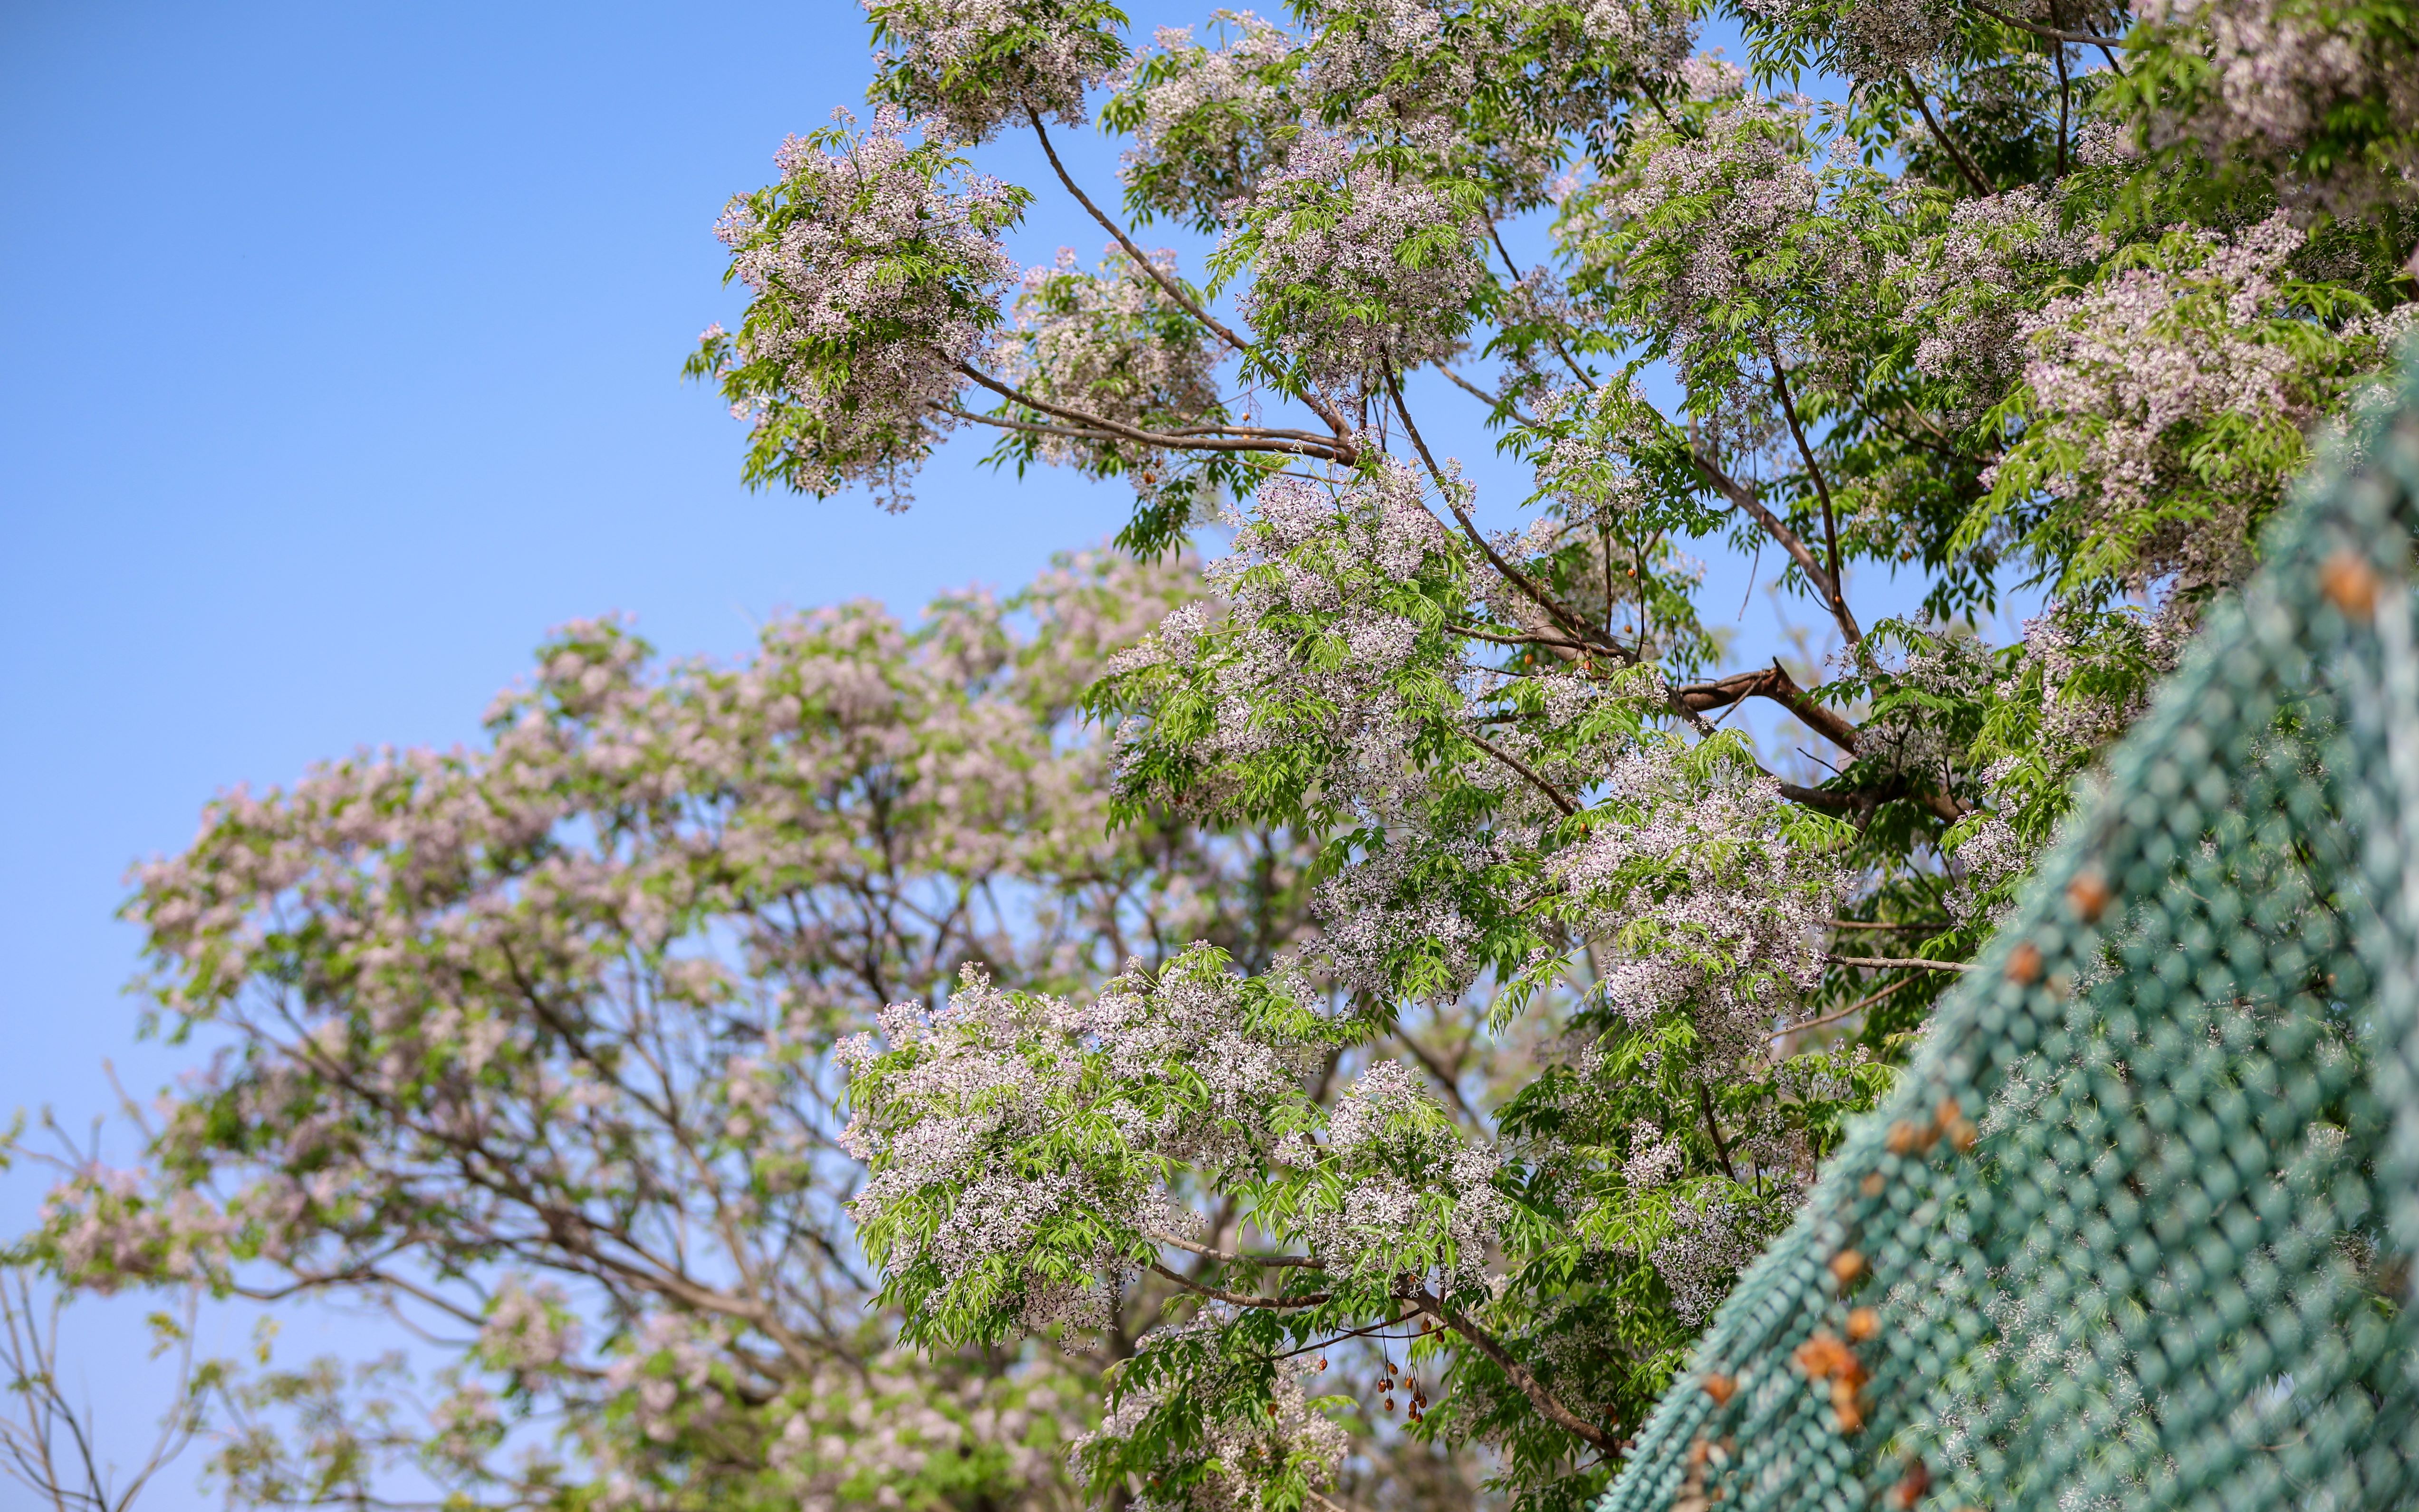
(1412, 1388)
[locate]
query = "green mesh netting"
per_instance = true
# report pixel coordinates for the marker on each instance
(2135, 1229)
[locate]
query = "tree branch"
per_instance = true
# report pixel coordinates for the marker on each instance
(1821, 490)
(1231, 1256)
(1776, 685)
(1851, 1010)
(1544, 1401)
(2053, 32)
(1495, 401)
(1755, 508)
(1956, 155)
(1240, 1299)
(1533, 590)
(1097, 427)
(1713, 1126)
(1176, 291)
(1884, 962)
(1523, 768)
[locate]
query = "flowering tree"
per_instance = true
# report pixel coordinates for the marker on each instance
(2041, 294)
(534, 1046)
(1383, 1032)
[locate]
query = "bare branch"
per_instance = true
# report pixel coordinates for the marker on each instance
(1773, 682)
(1234, 1256)
(1105, 428)
(1880, 963)
(1753, 506)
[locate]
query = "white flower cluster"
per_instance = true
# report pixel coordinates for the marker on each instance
(1586, 471)
(1877, 41)
(867, 338)
(1697, 224)
(1112, 344)
(1432, 57)
(530, 1326)
(1711, 1239)
(1965, 290)
(1359, 268)
(1234, 1464)
(995, 1071)
(2282, 68)
(1701, 900)
(1415, 1196)
(2117, 370)
(1206, 121)
(975, 65)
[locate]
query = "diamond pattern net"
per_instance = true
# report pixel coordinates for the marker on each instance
(2134, 1228)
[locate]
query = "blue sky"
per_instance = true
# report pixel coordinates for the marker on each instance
(339, 355)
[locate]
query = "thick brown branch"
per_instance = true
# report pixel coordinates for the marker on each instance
(1547, 1405)
(1880, 963)
(1776, 685)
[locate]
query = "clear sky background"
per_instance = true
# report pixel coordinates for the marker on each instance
(339, 356)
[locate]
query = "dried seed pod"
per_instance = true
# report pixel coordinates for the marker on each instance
(1846, 1266)
(1908, 1137)
(2025, 965)
(1863, 1324)
(2090, 893)
(1909, 1491)
(1872, 1185)
(2350, 583)
(1718, 1386)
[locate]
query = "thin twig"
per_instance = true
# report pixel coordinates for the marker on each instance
(1494, 400)
(1316, 1299)
(1553, 606)
(1174, 291)
(1100, 426)
(1823, 491)
(1851, 1010)
(1522, 768)
(1956, 155)
(1232, 1257)
(1356, 1334)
